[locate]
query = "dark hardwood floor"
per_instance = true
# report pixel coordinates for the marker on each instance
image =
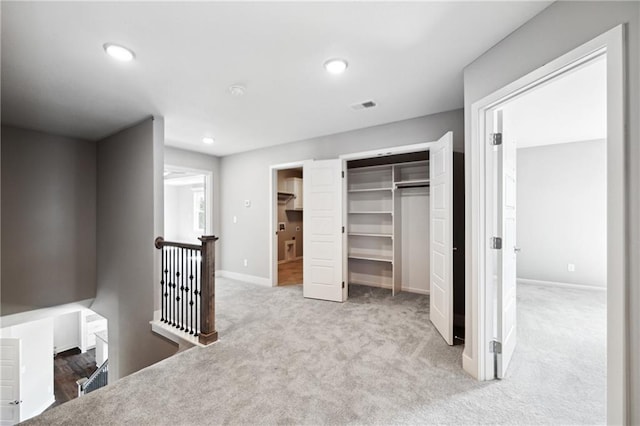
(69, 366)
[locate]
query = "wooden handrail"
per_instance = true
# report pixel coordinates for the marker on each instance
(160, 242)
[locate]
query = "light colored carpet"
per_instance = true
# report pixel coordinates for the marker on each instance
(284, 359)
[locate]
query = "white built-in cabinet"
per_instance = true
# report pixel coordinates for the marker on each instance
(90, 324)
(293, 185)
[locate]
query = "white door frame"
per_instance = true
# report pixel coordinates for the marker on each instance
(476, 355)
(273, 215)
(208, 190)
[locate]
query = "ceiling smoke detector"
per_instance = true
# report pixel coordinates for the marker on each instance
(364, 105)
(237, 90)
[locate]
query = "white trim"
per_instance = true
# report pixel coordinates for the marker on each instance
(37, 314)
(478, 325)
(273, 216)
(404, 149)
(526, 281)
(266, 282)
(184, 340)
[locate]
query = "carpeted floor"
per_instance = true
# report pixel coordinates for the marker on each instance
(373, 360)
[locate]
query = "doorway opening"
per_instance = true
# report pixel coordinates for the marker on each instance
(187, 204)
(550, 203)
(290, 226)
(494, 267)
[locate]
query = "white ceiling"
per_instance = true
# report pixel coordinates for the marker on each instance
(408, 57)
(570, 108)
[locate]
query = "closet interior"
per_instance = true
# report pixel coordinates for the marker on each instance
(388, 225)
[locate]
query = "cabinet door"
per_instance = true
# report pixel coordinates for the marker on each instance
(323, 230)
(441, 230)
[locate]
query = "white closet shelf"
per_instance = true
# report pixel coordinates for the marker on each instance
(387, 259)
(370, 190)
(364, 234)
(412, 182)
(370, 212)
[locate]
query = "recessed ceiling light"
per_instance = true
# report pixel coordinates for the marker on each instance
(118, 52)
(336, 66)
(237, 90)
(207, 140)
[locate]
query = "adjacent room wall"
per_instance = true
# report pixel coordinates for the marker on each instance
(562, 213)
(130, 213)
(558, 29)
(246, 177)
(36, 375)
(66, 332)
(179, 213)
(48, 220)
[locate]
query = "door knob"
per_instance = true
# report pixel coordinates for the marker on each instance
(16, 402)
(517, 249)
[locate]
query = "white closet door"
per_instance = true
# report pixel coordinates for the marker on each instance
(323, 230)
(9, 381)
(506, 199)
(441, 234)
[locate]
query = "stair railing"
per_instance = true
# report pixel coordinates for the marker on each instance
(98, 379)
(187, 287)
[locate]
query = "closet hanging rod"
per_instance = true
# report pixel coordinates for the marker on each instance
(412, 185)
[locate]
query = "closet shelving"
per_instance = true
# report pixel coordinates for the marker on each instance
(373, 230)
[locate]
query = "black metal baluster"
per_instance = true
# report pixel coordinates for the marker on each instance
(173, 287)
(197, 292)
(162, 276)
(183, 251)
(191, 292)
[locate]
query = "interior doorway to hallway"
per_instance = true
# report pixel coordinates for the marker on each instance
(187, 204)
(290, 226)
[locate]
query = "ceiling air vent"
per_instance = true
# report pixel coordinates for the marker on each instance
(364, 105)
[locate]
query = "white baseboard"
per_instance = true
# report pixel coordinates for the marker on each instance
(414, 290)
(557, 284)
(266, 282)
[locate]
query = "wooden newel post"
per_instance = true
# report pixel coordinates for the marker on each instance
(208, 333)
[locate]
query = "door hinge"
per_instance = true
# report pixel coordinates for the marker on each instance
(343, 173)
(343, 229)
(496, 243)
(495, 347)
(342, 284)
(496, 139)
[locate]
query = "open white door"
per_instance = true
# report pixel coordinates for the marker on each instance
(441, 200)
(506, 254)
(322, 189)
(9, 381)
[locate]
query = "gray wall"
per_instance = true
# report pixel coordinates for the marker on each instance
(558, 29)
(48, 221)
(130, 213)
(246, 177)
(562, 213)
